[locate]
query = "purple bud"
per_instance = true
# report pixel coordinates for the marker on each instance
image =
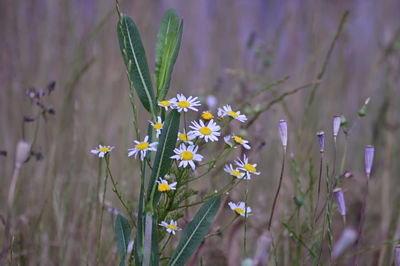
(321, 140)
(340, 201)
(22, 153)
(347, 174)
(348, 237)
(336, 126)
(28, 118)
(283, 133)
(397, 255)
(369, 159)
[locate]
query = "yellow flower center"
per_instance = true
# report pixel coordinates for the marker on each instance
(157, 126)
(240, 211)
(238, 139)
(142, 146)
(104, 149)
(187, 156)
(163, 187)
(205, 131)
(236, 173)
(172, 227)
(165, 103)
(183, 137)
(250, 167)
(233, 114)
(207, 115)
(184, 104)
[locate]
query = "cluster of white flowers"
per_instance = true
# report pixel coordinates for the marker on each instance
(187, 154)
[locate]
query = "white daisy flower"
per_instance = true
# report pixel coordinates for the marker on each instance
(164, 186)
(187, 155)
(186, 138)
(157, 126)
(171, 227)
(246, 166)
(206, 115)
(240, 208)
(209, 132)
(102, 150)
(237, 140)
(142, 148)
(227, 111)
(234, 172)
(184, 104)
(168, 104)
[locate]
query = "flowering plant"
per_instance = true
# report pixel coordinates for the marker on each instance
(172, 156)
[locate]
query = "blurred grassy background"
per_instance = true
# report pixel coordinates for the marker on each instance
(75, 44)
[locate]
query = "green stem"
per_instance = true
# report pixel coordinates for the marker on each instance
(118, 193)
(101, 215)
(319, 186)
(246, 192)
(362, 221)
(342, 164)
(165, 244)
(277, 191)
(220, 231)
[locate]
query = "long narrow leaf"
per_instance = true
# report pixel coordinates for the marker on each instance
(122, 236)
(167, 48)
(195, 231)
(135, 60)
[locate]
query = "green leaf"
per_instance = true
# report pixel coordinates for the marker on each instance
(167, 48)
(140, 229)
(165, 149)
(122, 236)
(195, 231)
(135, 60)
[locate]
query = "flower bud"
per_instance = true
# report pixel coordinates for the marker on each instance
(336, 126)
(397, 255)
(283, 133)
(340, 201)
(363, 110)
(348, 237)
(347, 175)
(23, 149)
(211, 101)
(369, 159)
(321, 140)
